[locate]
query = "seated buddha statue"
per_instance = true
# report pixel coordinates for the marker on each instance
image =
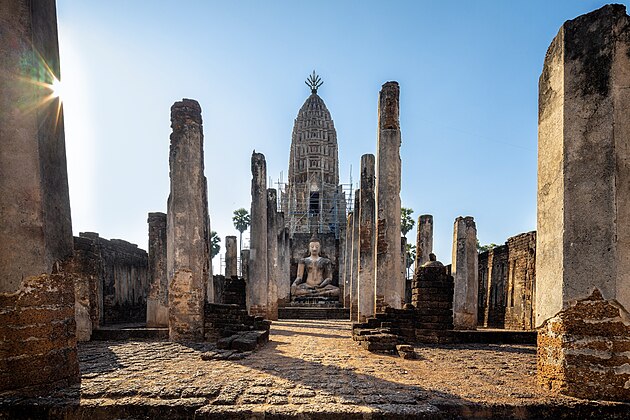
(318, 275)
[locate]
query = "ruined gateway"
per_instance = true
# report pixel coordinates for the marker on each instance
(196, 345)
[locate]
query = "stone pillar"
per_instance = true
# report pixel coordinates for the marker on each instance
(257, 284)
(464, 271)
(583, 238)
(354, 274)
(284, 262)
(424, 239)
(245, 264)
(272, 254)
(230, 257)
(365, 282)
(187, 224)
(347, 274)
(37, 322)
(390, 286)
(157, 301)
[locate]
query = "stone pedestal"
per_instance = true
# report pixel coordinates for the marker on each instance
(424, 239)
(187, 224)
(272, 254)
(366, 273)
(157, 301)
(257, 284)
(464, 271)
(583, 239)
(390, 286)
(37, 320)
(432, 296)
(231, 262)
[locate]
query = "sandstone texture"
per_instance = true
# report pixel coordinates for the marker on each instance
(583, 178)
(187, 224)
(157, 301)
(367, 235)
(257, 276)
(464, 271)
(390, 282)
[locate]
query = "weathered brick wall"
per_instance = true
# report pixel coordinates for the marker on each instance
(492, 285)
(38, 346)
(507, 281)
(519, 311)
(122, 284)
(229, 291)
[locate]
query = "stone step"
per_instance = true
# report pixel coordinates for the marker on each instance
(313, 313)
(120, 334)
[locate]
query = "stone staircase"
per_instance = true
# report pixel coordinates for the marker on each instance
(306, 312)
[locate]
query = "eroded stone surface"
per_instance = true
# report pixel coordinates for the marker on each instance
(584, 351)
(390, 283)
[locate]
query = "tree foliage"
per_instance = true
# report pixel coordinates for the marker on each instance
(215, 242)
(406, 221)
(484, 248)
(410, 254)
(241, 220)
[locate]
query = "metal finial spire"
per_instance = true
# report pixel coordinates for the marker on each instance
(314, 82)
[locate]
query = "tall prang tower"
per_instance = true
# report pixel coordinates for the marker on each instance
(313, 201)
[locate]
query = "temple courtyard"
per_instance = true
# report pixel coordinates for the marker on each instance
(309, 369)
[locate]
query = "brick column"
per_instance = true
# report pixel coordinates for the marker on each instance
(272, 254)
(37, 321)
(583, 238)
(365, 278)
(465, 274)
(390, 285)
(230, 257)
(257, 284)
(157, 301)
(187, 224)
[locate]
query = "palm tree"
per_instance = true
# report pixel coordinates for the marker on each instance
(215, 242)
(241, 221)
(406, 224)
(406, 221)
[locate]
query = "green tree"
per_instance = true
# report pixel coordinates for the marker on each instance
(406, 221)
(410, 255)
(215, 242)
(484, 248)
(241, 221)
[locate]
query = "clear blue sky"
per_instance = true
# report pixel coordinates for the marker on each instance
(468, 72)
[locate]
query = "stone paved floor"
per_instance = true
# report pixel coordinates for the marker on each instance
(310, 367)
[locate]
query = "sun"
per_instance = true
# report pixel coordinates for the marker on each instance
(57, 88)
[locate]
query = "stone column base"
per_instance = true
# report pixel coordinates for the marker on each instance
(584, 351)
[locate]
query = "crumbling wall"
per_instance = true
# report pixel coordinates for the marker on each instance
(519, 311)
(122, 283)
(37, 327)
(507, 284)
(584, 351)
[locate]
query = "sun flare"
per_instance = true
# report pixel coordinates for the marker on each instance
(57, 89)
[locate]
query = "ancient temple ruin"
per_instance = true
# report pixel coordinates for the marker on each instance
(552, 301)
